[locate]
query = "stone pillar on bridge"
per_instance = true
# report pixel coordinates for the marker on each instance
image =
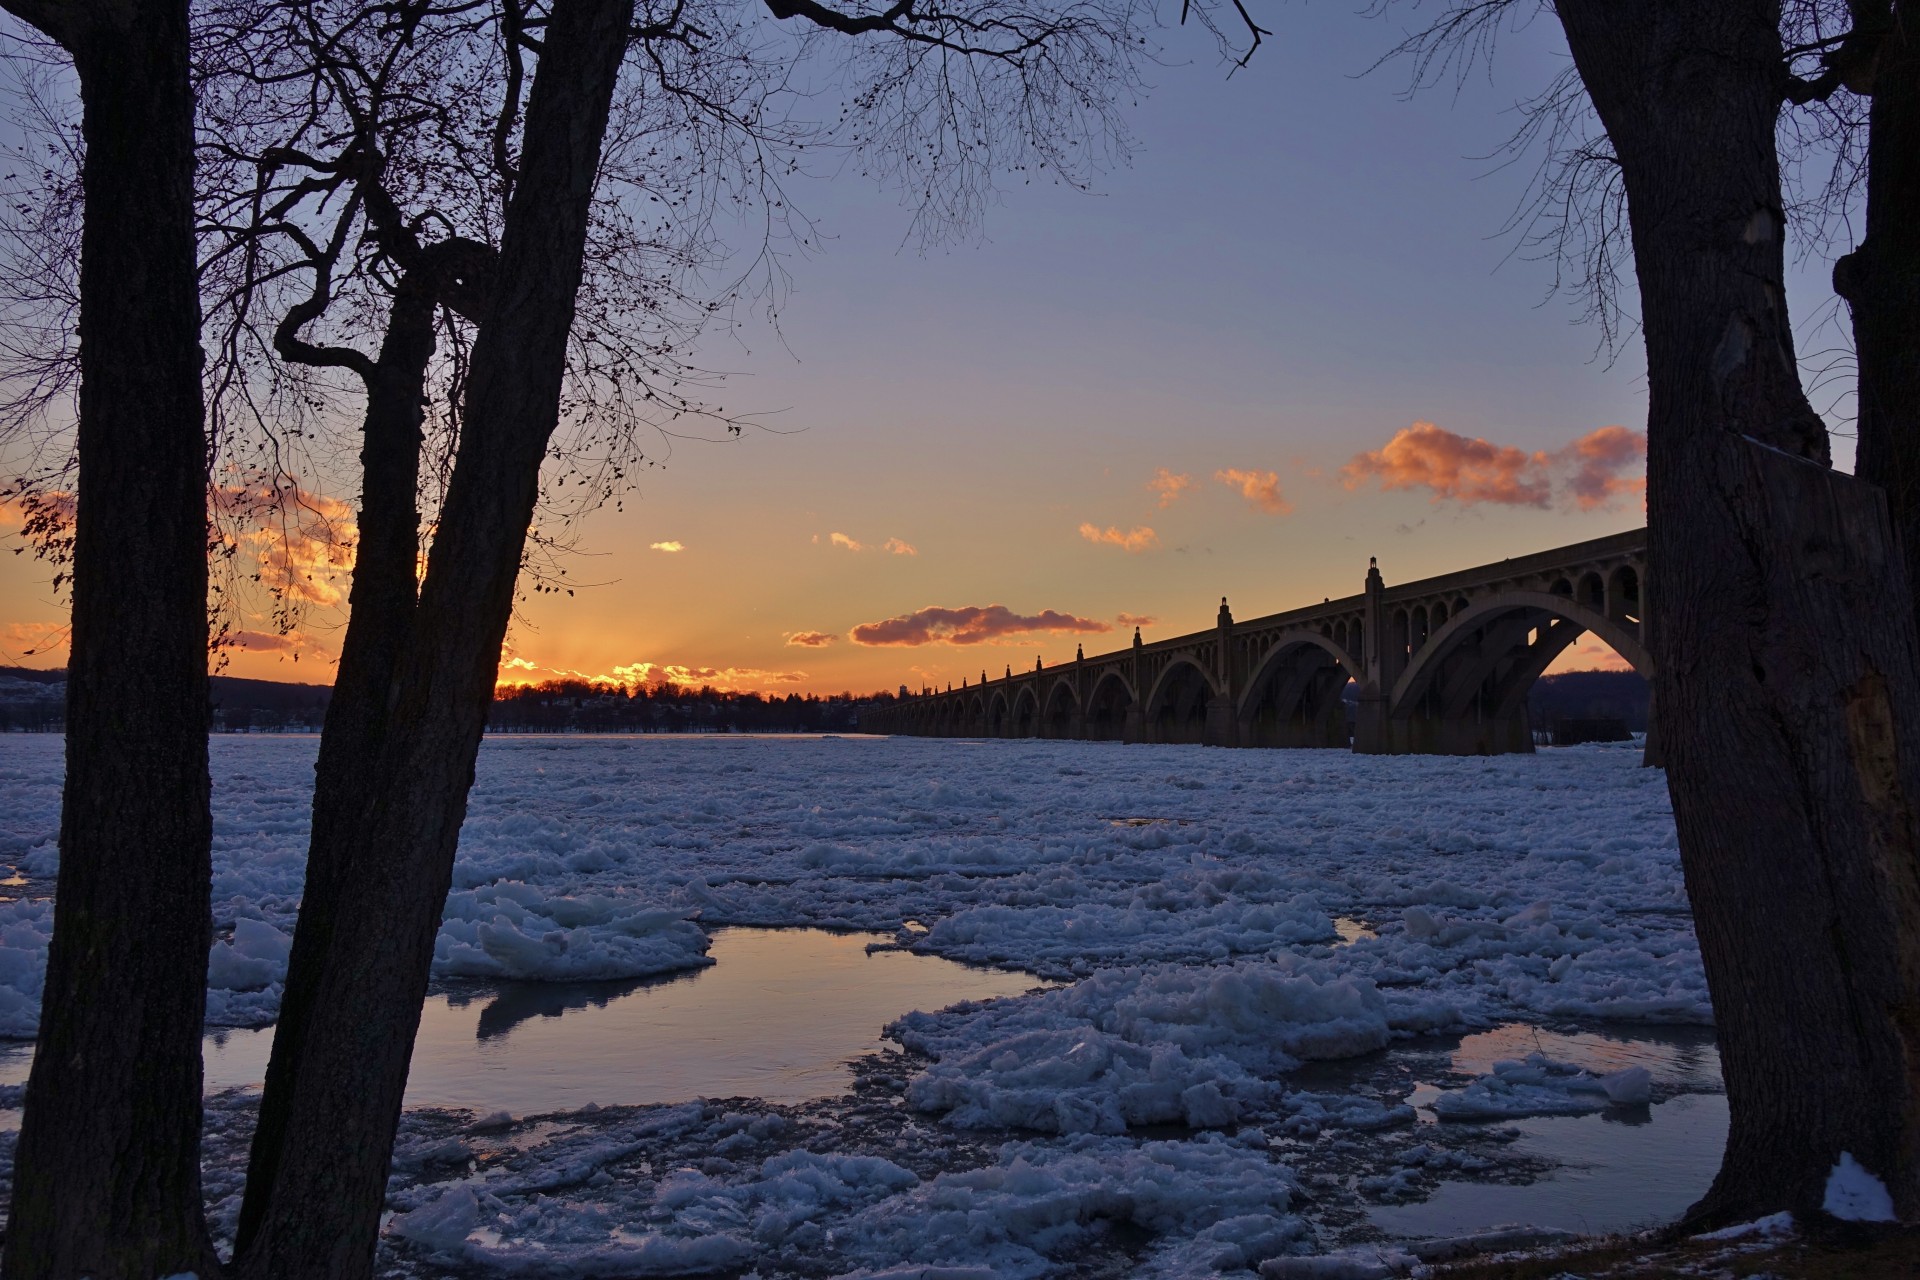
(1077, 718)
(1136, 722)
(1372, 734)
(1222, 730)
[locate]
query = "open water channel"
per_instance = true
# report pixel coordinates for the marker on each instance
(782, 1013)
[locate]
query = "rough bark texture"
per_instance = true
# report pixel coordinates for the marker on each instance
(1881, 282)
(381, 605)
(107, 1171)
(318, 1214)
(1789, 702)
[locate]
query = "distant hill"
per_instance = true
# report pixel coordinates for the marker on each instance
(36, 699)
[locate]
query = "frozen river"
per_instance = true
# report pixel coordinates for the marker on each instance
(1219, 1005)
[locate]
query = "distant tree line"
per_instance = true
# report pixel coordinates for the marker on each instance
(33, 701)
(579, 706)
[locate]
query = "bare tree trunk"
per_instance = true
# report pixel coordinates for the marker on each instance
(381, 604)
(1881, 281)
(318, 1213)
(1789, 702)
(107, 1172)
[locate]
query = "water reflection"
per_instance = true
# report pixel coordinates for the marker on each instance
(1683, 1057)
(1616, 1172)
(777, 1016)
(514, 1004)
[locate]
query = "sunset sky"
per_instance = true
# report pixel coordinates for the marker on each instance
(1290, 336)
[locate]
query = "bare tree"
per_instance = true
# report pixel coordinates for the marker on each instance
(107, 1171)
(1786, 647)
(468, 259)
(1877, 56)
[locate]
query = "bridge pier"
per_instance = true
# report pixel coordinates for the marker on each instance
(1470, 734)
(1371, 734)
(1222, 729)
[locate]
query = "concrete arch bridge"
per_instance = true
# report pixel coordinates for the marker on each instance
(1443, 666)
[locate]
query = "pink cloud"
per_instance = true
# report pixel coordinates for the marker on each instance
(842, 540)
(1140, 538)
(1425, 456)
(810, 639)
(1169, 485)
(969, 624)
(1260, 488)
(899, 547)
(1586, 473)
(1135, 619)
(1597, 459)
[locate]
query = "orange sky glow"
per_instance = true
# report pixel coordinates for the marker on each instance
(1210, 377)
(773, 599)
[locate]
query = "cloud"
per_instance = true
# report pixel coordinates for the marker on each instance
(47, 511)
(667, 546)
(721, 679)
(1425, 456)
(516, 670)
(302, 541)
(1169, 486)
(1588, 655)
(1259, 488)
(810, 639)
(1597, 459)
(266, 641)
(1468, 471)
(892, 546)
(38, 638)
(1137, 539)
(969, 624)
(1135, 619)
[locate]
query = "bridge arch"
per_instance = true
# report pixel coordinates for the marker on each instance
(1108, 705)
(1026, 714)
(1176, 710)
(1061, 708)
(995, 724)
(1293, 695)
(1466, 686)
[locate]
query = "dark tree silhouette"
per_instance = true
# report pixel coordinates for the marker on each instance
(494, 273)
(1787, 693)
(1879, 57)
(107, 1171)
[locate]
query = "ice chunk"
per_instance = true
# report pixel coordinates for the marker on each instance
(254, 960)
(1125, 1047)
(515, 930)
(1855, 1195)
(1628, 1086)
(1540, 1086)
(1772, 1226)
(441, 1224)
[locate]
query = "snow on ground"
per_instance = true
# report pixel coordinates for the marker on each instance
(1187, 895)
